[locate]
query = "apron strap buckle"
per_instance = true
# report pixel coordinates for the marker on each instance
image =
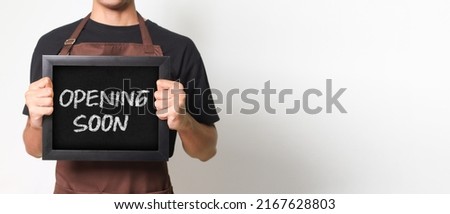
(70, 41)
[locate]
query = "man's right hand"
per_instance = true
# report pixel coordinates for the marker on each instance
(39, 100)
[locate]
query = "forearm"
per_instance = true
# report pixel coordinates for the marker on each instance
(199, 140)
(32, 138)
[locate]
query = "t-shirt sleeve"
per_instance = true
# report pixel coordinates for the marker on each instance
(199, 101)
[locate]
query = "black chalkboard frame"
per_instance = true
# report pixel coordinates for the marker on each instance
(48, 151)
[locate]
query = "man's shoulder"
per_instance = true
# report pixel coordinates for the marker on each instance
(164, 37)
(59, 34)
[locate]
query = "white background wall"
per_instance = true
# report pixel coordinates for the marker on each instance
(392, 55)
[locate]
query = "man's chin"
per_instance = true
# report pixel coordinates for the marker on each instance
(115, 4)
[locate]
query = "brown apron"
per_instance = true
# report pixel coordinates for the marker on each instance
(112, 177)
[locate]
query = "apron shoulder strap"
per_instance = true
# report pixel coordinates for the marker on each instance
(146, 38)
(145, 34)
(68, 44)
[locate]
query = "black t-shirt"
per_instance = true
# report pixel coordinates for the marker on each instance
(186, 62)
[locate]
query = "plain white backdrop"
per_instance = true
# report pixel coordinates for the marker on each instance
(391, 55)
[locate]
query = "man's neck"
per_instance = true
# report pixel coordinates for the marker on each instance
(126, 16)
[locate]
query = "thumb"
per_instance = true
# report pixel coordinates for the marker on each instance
(44, 82)
(35, 121)
(47, 82)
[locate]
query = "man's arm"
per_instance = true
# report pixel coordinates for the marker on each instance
(199, 140)
(32, 137)
(39, 100)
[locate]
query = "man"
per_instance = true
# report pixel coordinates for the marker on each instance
(113, 23)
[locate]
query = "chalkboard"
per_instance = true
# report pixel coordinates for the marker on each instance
(103, 109)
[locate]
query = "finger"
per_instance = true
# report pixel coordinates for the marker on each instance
(39, 98)
(175, 111)
(161, 95)
(179, 93)
(39, 93)
(179, 97)
(162, 114)
(161, 104)
(40, 111)
(44, 102)
(41, 83)
(170, 94)
(44, 92)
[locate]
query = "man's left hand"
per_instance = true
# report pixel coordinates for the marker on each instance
(170, 104)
